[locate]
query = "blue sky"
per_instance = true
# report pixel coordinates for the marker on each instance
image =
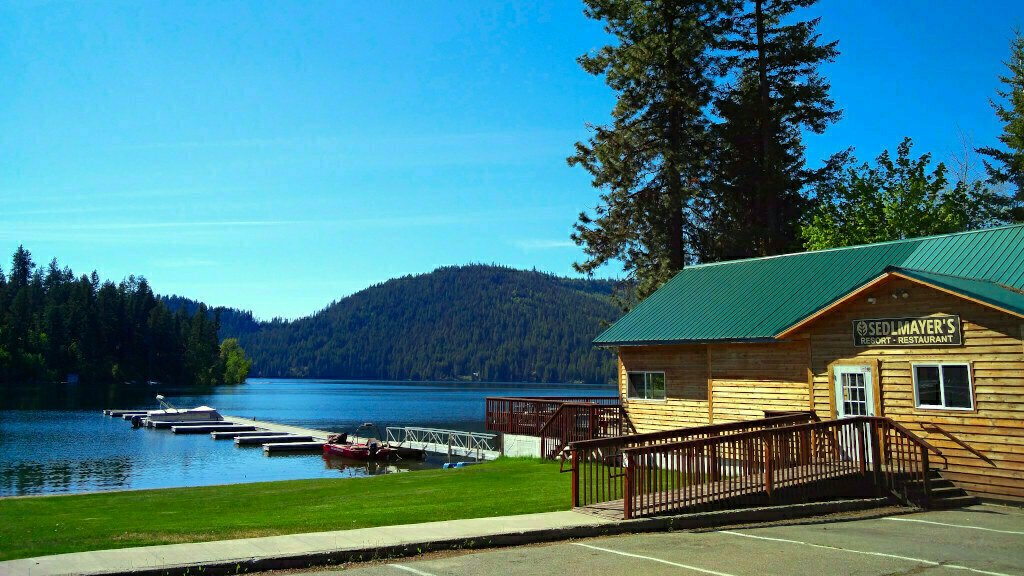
(277, 156)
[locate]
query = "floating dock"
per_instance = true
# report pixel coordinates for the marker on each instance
(211, 429)
(121, 413)
(231, 435)
(242, 440)
(285, 438)
(293, 447)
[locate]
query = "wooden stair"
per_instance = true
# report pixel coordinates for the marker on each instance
(946, 495)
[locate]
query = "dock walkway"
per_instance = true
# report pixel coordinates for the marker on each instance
(276, 437)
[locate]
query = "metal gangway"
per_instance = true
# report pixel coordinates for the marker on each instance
(477, 445)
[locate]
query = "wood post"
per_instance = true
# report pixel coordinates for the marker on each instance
(768, 467)
(575, 479)
(862, 449)
(627, 489)
(926, 485)
(876, 456)
(715, 472)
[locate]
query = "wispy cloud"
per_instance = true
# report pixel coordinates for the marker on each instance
(541, 244)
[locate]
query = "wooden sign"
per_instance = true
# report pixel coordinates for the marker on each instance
(923, 331)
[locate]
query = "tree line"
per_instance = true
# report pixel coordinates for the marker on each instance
(704, 160)
(477, 322)
(55, 326)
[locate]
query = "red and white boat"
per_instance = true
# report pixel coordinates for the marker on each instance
(372, 450)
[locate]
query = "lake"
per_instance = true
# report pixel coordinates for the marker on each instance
(55, 439)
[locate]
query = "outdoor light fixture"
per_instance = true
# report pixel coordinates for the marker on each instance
(872, 300)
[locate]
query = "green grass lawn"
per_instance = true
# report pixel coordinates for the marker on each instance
(57, 524)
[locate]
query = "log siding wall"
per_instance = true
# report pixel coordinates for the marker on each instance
(716, 383)
(993, 349)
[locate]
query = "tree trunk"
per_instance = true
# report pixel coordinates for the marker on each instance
(767, 197)
(674, 178)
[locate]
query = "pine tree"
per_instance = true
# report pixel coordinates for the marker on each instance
(758, 194)
(650, 160)
(1008, 164)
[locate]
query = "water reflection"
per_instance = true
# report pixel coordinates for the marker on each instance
(54, 439)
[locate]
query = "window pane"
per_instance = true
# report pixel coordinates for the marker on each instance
(957, 386)
(657, 386)
(928, 386)
(635, 385)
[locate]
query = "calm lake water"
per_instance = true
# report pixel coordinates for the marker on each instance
(56, 440)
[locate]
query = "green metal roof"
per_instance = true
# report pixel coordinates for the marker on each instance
(986, 291)
(756, 299)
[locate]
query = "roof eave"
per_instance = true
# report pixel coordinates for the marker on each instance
(788, 332)
(616, 344)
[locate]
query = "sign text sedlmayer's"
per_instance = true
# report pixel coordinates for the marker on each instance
(927, 331)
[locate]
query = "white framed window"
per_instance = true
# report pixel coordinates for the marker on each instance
(645, 385)
(944, 386)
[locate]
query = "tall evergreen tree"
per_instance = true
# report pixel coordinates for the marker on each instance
(759, 191)
(651, 159)
(52, 325)
(1007, 166)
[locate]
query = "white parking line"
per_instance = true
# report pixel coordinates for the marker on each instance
(413, 570)
(953, 525)
(653, 559)
(882, 554)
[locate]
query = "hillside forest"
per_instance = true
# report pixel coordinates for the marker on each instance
(476, 322)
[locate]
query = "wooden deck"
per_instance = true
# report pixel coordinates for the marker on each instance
(732, 488)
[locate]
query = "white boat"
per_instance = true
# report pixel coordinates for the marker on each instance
(172, 414)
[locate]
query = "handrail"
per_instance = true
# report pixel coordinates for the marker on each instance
(913, 437)
(564, 426)
(784, 458)
(591, 399)
(776, 413)
(795, 427)
(551, 420)
(751, 466)
(677, 432)
(959, 442)
(597, 471)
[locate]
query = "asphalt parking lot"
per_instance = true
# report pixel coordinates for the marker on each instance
(977, 540)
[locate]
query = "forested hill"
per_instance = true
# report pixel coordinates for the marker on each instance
(500, 323)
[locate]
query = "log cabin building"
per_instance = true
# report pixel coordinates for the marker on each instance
(928, 332)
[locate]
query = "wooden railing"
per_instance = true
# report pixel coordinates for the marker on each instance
(597, 465)
(527, 416)
(577, 421)
(792, 463)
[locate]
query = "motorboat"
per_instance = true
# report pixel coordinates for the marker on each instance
(170, 413)
(371, 449)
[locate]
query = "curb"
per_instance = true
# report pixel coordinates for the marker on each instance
(655, 524)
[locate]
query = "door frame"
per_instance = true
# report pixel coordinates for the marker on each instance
(876, 382)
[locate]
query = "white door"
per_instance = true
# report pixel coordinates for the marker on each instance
(855, 394)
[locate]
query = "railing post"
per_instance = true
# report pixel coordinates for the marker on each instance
(627, 487)
(805, 447)
(575, 479)
(876, 455)
(768, 467)
(715, 473)
(926, 485)
(862, 449)
(593, 422)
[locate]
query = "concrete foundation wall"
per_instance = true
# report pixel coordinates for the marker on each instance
(517, 445)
